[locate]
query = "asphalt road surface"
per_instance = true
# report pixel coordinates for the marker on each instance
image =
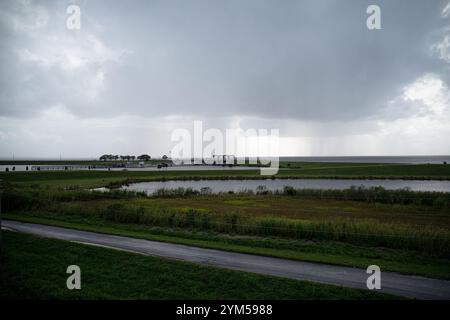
(394, 283)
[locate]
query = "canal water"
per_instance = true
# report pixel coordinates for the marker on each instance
(279, 184)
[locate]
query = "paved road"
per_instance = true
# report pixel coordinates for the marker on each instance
(404, 285)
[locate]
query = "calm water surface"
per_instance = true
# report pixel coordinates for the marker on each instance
(278, 184)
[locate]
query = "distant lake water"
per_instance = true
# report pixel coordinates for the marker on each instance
(279, 184)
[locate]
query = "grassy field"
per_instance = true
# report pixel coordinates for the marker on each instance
(409, 238)
(35, 268)
(330, 252)
(402, 231)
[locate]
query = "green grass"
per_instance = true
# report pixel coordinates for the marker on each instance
(272, 217)
(407, 262)
(395, 171)
(34, 268)
(355, 228)
(103, 178)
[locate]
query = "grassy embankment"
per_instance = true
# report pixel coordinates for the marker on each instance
(35, 268)
(400, 231)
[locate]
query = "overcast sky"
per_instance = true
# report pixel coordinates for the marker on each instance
(136, 70)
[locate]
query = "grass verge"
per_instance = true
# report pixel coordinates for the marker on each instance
(35, 268)
(403, 261)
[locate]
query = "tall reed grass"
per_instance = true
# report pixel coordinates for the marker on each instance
(360, 232)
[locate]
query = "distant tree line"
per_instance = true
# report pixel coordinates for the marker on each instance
(115, 157)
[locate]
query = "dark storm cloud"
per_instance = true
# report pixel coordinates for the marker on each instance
(283, 59)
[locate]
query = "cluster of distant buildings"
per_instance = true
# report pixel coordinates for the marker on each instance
(116, 157)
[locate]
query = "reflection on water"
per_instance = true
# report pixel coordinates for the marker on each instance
(278, 184)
